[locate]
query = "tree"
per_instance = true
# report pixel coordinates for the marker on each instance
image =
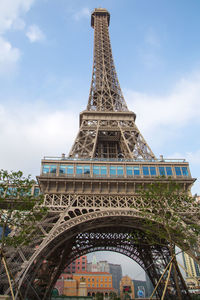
(20, 212)
(170, 215)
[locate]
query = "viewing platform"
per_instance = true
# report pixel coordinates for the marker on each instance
(112, 168)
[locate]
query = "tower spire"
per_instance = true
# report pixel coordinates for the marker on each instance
(107, 127)
(105, 91)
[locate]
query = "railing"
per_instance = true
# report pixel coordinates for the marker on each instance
(161, 159)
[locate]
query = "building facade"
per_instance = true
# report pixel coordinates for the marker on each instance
(78, 265)
(192, 271)
(127, 290)
(104, 266)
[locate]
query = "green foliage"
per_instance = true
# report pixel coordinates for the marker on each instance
(169, 213)
(20, 210)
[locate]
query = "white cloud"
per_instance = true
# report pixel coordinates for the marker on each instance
(83, 13)
(178, 108)
(34, 34)
(28, 133)
(10, 12)
(9, 56)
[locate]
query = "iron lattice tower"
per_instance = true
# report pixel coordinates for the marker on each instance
(107, 127)
(92, 195)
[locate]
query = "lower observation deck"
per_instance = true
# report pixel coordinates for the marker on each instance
(114, 168)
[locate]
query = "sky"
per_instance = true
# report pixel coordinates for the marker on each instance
(46, 51)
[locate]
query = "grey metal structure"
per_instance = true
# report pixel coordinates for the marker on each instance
(91, 195)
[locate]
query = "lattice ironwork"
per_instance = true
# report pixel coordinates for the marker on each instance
(107, 127)
(86, 213)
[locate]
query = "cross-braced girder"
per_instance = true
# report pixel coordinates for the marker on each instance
(107, 127)
(69, 238)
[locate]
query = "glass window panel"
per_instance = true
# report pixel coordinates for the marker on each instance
(136, 170)
(153, 171)
(162, 171)
(129, 171)
(145, 171)
(62, 169)
(113, 171)
(120, 171)
(169, 171)
(53, 169)
(185, 171)
(103, 170)
(36, 191)
(70, 170)
(45, 169)
(86, 169)
(79, 170)
(96, 170)
(178, 171)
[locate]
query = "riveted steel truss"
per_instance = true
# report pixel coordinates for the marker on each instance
(107, 127)
(92, 214)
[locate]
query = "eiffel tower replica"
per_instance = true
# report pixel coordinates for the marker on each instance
(91, 195)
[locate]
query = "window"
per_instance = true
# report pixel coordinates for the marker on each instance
(109, 279)
(49, 169)
(109, 285)
(100, 170)
(132, 170)
(105, 285)
(129, 171)
(145, 171)
(178, 171)
(97, 285)
(162, 171)
(152, 171)
(82, 170)
(36, 191)
(93, 284)
(116, 170)
(105, 279)
(101, 285)
(185, 171)
(83, 268)
(101, 279)
(169, 171)
(88, 279)
(88, 285)
(69, 170)
(136, 170)
(93, 279)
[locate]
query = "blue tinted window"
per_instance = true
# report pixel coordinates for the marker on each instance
(113, 170)
(45, 169)
(99, 170)
(79, 170)
(185, 171)
(120, 171)
(70, 170)
(96, 170)
(36, 191)
(162, 171)
(53, 169)
(152, 171)
(169, 171)
(145, 171)
(86, 169)
(136, 170)
(66, 170)
(103, 170)
(62, 170)
(129, 171)
(178, 171)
